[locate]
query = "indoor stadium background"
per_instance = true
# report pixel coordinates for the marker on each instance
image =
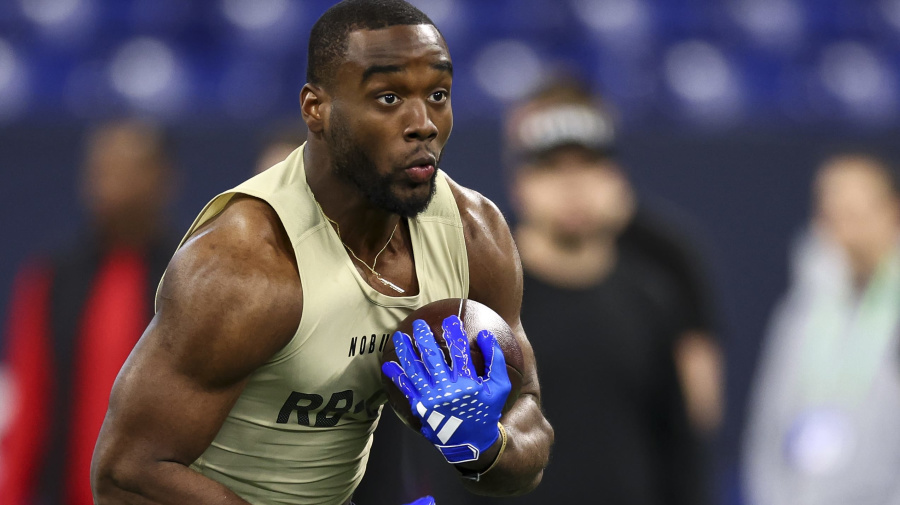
(725, 108)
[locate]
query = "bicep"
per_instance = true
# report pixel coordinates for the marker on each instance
(159, 409)
(496, 278)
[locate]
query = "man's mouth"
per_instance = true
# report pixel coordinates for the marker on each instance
(421, 170)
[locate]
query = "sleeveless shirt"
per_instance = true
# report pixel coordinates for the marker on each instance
(301, 430)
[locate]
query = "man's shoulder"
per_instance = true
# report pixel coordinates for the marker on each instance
(245, 222)
(496, 270)
(475, 208)
(671, 239)
(642, 269)
(484, 226)
(235, 273)
(649, 285)
(665, 231)
(245, 239)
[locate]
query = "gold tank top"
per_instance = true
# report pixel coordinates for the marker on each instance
(301, 430)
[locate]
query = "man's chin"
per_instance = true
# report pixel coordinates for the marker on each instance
(411, 205)
(575, 238)
(410, 208)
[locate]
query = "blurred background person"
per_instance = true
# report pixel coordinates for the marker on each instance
(565, 114)
(824, 420)
(646, 358)
(76, 313)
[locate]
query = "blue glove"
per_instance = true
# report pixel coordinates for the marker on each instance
(425, 500)
(460, 411)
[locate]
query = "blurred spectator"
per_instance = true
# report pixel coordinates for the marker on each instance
(619, 314)
(612, 302)
(826, 405)
(76, 314)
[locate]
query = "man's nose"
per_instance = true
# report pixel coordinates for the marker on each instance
(419, 125)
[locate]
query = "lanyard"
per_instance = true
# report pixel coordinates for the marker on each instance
(847, 336)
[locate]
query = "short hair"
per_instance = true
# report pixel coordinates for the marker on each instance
(328, 38)
(154, 140)
(564, 88)
(879, 162)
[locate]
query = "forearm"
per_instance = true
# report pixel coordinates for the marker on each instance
(699, 366)
(162, 483)
(521, 465)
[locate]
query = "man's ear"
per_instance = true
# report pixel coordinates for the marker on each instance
(313, 107)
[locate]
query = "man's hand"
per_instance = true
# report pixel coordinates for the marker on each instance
(460, 411)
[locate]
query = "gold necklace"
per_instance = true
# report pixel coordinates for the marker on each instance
(377, 275)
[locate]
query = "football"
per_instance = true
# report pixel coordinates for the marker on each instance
(475, 317)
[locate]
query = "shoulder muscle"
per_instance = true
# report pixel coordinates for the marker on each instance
(232, 295)
(494, 265)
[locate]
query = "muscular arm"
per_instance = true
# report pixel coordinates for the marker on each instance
(230, 300)
(496, 281)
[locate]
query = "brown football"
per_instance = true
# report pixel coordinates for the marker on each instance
(475, 317)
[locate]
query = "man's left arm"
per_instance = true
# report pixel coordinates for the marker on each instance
(495, 274)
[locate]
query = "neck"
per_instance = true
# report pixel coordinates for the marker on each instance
(363, 228)
(134, 234)
(570, 264)
(866, 262)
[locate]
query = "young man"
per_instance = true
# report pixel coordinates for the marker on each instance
(242, 389)
(619, 305)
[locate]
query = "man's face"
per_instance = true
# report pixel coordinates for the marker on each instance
(390, 115)
(573, 197)
(124, 183)
(855, 205)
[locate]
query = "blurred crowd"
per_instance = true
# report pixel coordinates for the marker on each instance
(693, 61)
(643, 359)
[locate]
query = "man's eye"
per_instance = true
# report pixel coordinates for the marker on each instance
(439, 96)
(389, 99)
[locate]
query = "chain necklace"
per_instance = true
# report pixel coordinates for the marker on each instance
(377, 275)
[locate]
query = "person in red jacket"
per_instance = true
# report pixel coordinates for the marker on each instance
(76, 313)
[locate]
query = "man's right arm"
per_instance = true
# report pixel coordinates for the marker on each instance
(231, 299)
